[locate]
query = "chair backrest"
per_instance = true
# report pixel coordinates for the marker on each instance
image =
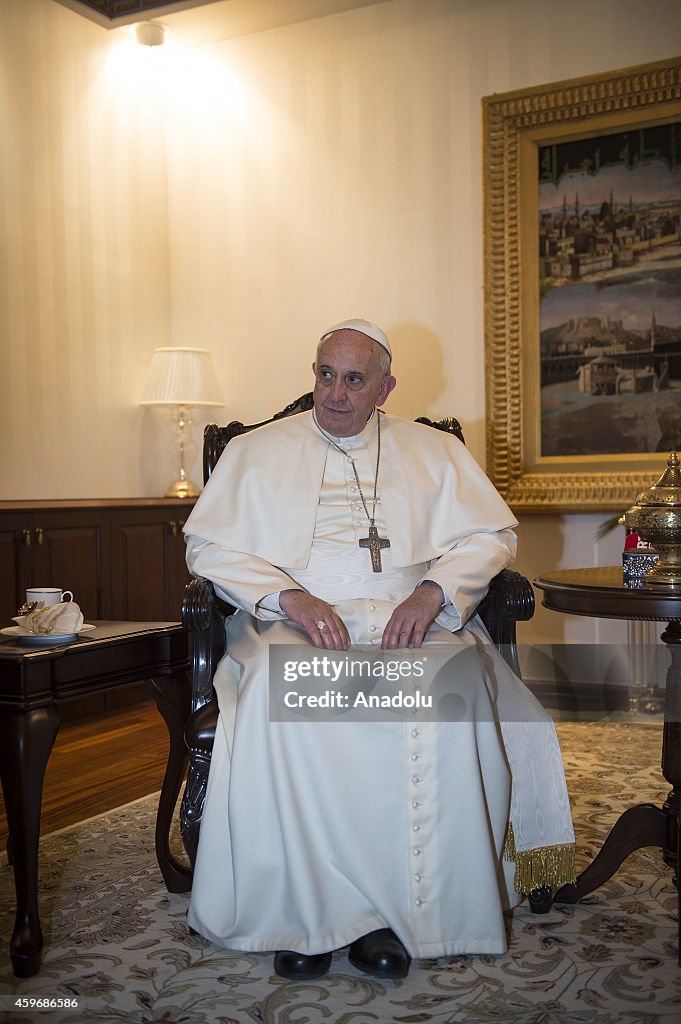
(215, 438)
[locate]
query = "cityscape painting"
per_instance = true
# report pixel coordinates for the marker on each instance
(610, 293)
(582, 257)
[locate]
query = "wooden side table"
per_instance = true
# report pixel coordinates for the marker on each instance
(31, 681)
(601, 593)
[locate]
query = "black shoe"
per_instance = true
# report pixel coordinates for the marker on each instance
(299, 966)
(540, 899)
(381, 954)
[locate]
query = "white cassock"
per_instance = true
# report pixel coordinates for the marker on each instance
(315, 833)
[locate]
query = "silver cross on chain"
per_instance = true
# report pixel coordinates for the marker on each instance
(374, 543)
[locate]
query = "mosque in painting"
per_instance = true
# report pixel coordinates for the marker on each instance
(606, 359)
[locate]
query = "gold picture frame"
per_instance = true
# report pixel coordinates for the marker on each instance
(516, 125)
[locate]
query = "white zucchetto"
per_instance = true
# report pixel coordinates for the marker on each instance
(364, 327)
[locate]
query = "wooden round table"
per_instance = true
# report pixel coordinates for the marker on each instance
(601, 593)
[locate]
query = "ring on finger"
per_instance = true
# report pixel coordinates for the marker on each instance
(320, 625)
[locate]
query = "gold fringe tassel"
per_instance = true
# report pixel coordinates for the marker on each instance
(545, 865)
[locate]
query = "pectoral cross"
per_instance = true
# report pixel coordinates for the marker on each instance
(374, 543)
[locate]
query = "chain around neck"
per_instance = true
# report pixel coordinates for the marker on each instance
(350, 459)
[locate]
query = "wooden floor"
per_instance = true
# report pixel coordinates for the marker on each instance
(99, 764)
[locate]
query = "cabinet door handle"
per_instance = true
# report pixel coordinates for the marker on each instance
(39, 534)
(173, 527)
(26, 538)
(181, 524)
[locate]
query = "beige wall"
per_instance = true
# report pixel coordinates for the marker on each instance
(84, 255)
(244, 196)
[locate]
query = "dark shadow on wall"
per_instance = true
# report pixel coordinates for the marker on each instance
(418, 366)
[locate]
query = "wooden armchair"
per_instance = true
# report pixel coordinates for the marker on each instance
(510, 599)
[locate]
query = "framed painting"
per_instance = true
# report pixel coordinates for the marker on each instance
(582, 209)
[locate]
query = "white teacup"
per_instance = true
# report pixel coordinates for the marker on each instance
(48, 595)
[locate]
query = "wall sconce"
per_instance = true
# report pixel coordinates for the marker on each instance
(182, 378)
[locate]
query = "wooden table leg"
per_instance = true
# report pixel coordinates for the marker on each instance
(671, 760)
(27, 739)
(173, 699)
(646, 824)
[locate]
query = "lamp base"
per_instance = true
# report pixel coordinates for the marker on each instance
(182, 488)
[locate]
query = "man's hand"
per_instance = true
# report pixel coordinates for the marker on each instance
(319, 619)
(409, 623)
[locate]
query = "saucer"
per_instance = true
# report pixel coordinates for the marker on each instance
(22, 636)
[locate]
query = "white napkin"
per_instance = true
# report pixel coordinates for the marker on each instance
(54, 618)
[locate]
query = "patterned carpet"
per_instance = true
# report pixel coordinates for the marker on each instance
(119, 942)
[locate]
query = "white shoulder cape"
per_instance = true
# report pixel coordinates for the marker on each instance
(262, 496)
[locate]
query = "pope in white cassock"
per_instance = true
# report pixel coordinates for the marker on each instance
(345, 528)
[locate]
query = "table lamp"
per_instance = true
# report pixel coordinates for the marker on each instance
(182, 378)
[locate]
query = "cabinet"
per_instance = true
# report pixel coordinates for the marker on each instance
(149, 571)
(122, 558)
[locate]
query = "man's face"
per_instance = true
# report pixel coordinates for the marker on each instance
(349, 382)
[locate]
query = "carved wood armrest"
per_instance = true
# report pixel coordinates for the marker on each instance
(204, 615)
(515, 594)
(510, 599)
(197, 604)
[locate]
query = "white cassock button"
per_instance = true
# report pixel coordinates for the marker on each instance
(415, 779)
(372, 607)
(419, 902)
(418, 877)
(416, 757)
(374, 641)
(373, 628)
(416, 828)
(416, 804)
(417, 851)
(415, 733)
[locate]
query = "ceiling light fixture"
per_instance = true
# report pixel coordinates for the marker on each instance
(150, 33)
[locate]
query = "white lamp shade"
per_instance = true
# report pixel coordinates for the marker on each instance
(181, 376)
